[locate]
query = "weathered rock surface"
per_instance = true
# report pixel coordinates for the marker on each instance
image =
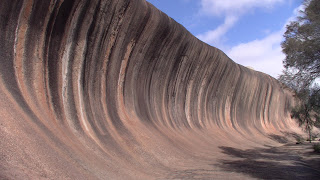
(115, 89)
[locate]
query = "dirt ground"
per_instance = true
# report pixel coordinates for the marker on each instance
(289, 161)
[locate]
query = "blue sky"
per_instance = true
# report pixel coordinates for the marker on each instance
(248, 31)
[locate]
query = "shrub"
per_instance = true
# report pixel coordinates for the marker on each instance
(299, 140)
(316, 147)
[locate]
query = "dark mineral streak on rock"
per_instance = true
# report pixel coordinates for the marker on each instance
(115, 89)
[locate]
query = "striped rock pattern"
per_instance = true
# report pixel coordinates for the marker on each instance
(115, 89)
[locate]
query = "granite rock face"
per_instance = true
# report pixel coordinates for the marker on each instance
(115, 89)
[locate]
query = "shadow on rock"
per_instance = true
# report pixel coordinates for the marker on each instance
(279, 139)
(286, 137)
(296, 136)
(271, 163)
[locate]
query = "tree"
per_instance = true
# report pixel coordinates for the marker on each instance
(308, 110)
(302, 45)
(302, 64)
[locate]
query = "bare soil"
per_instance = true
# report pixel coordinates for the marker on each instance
(289, 161)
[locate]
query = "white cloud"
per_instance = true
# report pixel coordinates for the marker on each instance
(232, 11)
(263, 55)
(296, 13)
(234, 7)
(214, 36)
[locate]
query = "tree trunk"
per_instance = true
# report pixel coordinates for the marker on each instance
(308, 121)
(310, 135)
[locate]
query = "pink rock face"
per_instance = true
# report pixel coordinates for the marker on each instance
(115, 89)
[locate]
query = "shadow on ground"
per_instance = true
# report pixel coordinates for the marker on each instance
(285, 162)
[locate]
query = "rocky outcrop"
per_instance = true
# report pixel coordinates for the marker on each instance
(115, 89)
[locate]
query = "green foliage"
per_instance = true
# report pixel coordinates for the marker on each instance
(307, 112)
(302, 64)
(302, 48)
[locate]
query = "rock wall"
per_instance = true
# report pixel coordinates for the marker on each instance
(116, 89)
